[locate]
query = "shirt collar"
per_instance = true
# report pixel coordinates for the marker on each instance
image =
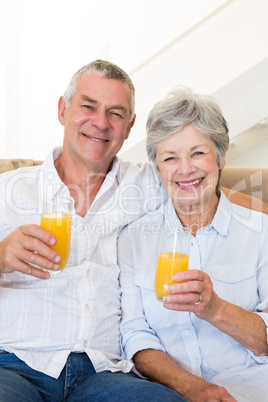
(222, 218)
(52, 184)
(220, 222)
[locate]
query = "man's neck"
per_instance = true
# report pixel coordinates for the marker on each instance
(83, 183)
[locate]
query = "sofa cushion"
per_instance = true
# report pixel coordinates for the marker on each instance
(12, 164)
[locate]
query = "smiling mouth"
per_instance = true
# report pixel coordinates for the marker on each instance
(94, 138)
(192, 183)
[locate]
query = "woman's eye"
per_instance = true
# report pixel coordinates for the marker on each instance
(199, 153)
(171, 158)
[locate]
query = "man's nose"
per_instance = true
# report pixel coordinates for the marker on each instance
(100, 120)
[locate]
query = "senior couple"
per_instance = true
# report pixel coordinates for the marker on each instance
(60, 337)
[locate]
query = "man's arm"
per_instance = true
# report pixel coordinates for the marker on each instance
(29, 244)
(245, 200)
(159, 367)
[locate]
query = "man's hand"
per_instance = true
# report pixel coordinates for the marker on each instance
(213, 393)
(29, 244)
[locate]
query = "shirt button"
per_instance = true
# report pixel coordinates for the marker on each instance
(88, 273)
(87, 307)
(196, 360)
(81, 228)
(187, 329)
(85, 344)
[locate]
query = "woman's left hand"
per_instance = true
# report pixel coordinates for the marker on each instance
(194, 293)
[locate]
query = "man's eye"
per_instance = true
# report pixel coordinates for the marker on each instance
(117, 114)
(87, 106)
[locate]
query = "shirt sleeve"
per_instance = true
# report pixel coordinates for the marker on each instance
(136, 333)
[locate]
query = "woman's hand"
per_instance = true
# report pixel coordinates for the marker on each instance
(194, 293)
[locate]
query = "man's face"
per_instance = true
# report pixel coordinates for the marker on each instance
(97, 121)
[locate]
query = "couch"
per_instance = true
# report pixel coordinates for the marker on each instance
(250, 181)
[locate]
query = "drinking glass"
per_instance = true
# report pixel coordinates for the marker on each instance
(173, 257)
(57, 219)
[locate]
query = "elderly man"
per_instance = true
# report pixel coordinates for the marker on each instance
(59, 339)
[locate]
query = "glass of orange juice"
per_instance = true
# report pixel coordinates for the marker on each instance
(56, 218)
(173, 257)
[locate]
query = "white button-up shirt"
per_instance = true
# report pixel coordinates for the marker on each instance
(42, 321)
(233, 250)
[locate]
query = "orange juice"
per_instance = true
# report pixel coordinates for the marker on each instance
(59, 224)
(167, 265)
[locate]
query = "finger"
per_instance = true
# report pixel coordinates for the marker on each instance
(36, 252)
(37, 232)
(23, 258)
(187, 287)
(189, 275)
(27, 269)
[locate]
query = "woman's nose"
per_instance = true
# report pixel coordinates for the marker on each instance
(186, 166)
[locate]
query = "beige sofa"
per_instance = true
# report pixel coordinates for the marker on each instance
(251, 181)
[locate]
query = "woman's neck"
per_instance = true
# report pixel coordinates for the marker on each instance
(197, 216)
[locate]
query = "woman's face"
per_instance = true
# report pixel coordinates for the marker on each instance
(187, 161)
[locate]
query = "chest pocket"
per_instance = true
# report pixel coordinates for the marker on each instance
(237, 284)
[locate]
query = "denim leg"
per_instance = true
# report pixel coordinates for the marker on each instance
(15, 388)
(19, 382)
(120, 387)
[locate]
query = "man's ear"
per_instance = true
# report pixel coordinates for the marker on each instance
(131, 124)
(61, 110)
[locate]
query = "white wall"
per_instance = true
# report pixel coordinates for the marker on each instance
(244, 102)
(202, 43)
(230, 44)
(44, 42)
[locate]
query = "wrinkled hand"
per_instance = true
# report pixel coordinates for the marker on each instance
(29, 244)
(212, 394)
(195, 294)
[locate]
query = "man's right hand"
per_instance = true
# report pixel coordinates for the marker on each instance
(29, 244)
(213, 393)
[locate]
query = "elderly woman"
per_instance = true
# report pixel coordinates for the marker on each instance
(208, 340)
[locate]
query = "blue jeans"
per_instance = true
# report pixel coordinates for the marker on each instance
(78, 382)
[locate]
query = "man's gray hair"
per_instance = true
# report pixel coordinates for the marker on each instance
(103, 69)
(183, 106)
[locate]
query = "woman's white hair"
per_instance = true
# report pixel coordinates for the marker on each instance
(183, 106)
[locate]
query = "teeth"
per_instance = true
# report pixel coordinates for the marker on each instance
(95, 139)
(190, 184)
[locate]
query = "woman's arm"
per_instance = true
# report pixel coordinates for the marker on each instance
(245, 327)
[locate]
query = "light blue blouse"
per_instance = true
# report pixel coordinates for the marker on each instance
(233, 250)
